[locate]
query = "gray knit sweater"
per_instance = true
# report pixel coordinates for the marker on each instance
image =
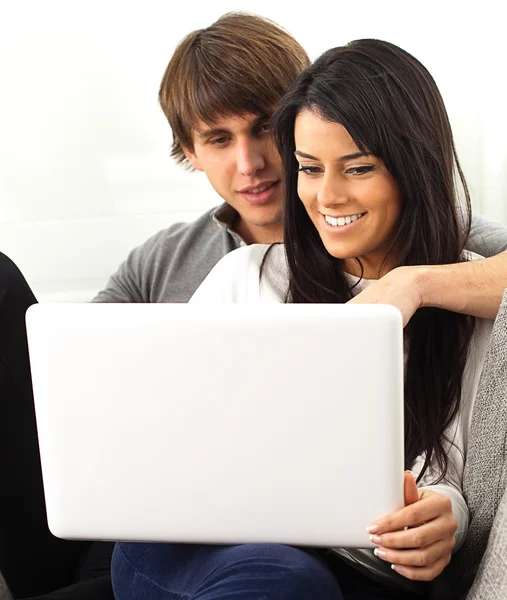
(482, 560)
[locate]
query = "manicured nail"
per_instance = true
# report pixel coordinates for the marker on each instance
(375, 539)
(372, 528)
(380, 553)
(398, 569)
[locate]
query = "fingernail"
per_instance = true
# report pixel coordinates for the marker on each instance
(380, 553)
(372, 528)
(375, 539)
(398, 569)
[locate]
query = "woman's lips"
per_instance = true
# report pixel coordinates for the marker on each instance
(337, 229)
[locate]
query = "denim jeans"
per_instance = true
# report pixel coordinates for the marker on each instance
(244, 572)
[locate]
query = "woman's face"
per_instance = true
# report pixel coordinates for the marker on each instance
(351, 197)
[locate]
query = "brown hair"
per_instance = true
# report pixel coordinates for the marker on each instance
(242, 63)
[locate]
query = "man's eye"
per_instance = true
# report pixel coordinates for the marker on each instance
(262, 129)
(218, 141)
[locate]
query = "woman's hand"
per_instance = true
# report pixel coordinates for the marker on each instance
(418, 539)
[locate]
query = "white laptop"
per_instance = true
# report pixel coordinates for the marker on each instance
(218, 424)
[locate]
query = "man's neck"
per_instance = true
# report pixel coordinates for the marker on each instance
(258, 234)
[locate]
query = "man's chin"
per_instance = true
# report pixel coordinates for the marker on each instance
(268, 221)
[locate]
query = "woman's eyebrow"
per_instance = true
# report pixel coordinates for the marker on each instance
(344, 157)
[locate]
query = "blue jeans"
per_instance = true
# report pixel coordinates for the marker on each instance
(245, 572)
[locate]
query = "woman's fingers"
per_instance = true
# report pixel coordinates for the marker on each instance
(419, 557)
(418, 537)
(429, 507)
(423, 573)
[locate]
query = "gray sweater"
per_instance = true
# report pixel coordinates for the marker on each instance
(171, 265)
(482, 560)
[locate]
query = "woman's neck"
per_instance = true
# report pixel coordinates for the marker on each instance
(365, 268)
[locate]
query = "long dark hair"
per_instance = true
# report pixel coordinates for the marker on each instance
(391, 107)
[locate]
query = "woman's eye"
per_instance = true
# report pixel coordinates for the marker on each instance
(264, 128)
(360, 170)
(309, 170)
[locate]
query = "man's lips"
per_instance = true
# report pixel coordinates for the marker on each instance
(258, 188)
(260, 194)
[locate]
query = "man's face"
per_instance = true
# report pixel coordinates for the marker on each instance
(242, 163)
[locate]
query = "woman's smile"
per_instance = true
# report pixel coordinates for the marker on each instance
(350, 196)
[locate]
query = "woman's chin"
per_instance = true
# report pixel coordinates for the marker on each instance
(339, 253)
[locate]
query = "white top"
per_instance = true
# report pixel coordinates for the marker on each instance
(235, 279)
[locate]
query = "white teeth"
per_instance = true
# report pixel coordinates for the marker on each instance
(341, 221)
(259, 190)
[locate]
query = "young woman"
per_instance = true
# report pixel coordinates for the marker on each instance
(372, 185)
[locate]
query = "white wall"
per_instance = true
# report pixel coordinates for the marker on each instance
(85, 172)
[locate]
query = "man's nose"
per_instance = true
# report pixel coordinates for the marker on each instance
(249, 157)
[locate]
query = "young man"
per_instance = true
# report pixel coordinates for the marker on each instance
(218, 92)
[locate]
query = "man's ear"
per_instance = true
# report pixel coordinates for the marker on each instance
(192, 158)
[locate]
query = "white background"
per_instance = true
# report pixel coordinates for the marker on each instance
(85, 172)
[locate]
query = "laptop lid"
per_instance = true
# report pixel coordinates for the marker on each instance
(220, 424)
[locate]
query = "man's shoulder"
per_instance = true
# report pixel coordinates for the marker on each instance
(170, 265)
(197, 236)
(486, 238)
(203, 226)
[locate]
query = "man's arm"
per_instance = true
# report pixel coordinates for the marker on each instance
(123, 286)
(135, 277)
(474, 288)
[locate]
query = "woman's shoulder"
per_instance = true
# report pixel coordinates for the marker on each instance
(242, 262)
(236, 277)
(252, 255)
